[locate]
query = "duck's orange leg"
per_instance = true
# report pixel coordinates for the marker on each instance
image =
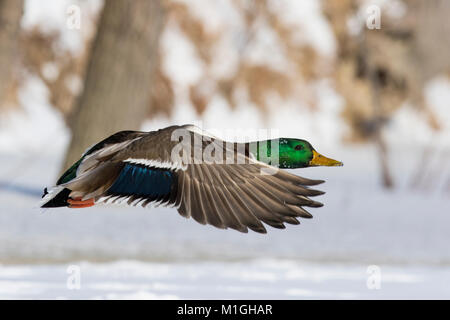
(78, 203)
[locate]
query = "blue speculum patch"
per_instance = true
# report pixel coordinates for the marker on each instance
(139, 180)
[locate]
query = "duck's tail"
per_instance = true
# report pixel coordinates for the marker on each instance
(55, 197)
(59, 197)
(89, 177)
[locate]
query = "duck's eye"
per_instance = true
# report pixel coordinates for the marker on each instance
(298, 147)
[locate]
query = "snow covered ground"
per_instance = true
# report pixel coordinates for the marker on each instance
(256, 279)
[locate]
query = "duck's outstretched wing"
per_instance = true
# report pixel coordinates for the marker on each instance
(243, 196)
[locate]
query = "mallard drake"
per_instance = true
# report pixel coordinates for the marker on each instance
(227, 185)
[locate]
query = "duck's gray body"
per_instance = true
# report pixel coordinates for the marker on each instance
(140, 168)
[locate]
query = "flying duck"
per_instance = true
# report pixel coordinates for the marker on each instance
(224, 184)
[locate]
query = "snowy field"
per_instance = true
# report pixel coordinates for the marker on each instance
(256, 279)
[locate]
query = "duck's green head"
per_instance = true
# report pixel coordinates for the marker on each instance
(297, 153)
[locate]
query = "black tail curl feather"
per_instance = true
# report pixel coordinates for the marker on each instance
(60, 200)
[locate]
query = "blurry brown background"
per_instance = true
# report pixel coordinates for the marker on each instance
(117, 80)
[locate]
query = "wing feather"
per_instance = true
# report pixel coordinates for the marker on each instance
(227, 216)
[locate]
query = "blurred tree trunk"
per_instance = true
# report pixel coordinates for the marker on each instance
(377, 134)
(119, 75)
(10, 15)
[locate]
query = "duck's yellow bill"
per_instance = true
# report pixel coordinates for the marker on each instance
(320, 160)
